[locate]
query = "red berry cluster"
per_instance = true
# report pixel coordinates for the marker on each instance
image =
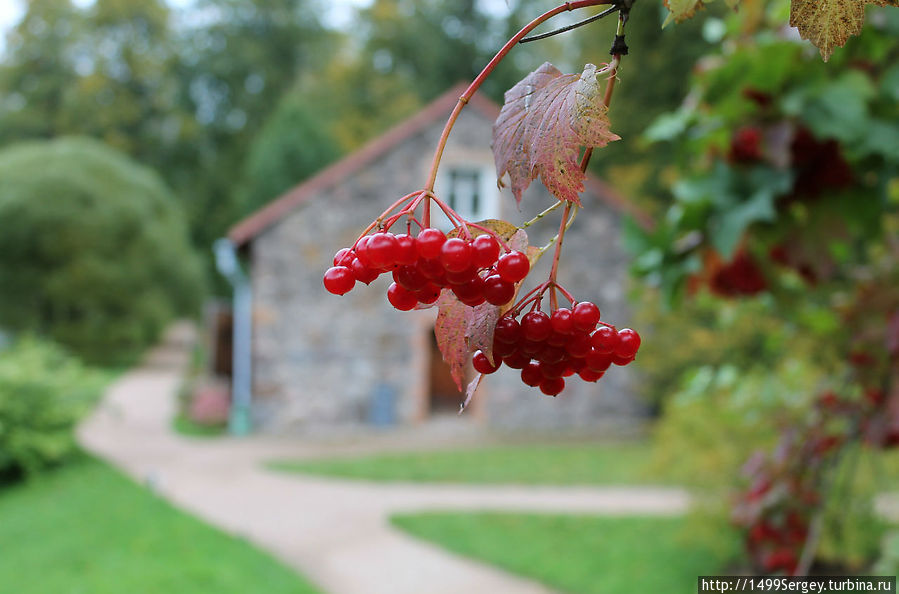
(549, 348)
(422, 265)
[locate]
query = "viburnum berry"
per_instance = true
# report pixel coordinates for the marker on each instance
(382, 250)
(430, 241)
(406, 250)
(485, 251)
(456, 255)
(497, 291)
(507, 330)
(338, 280)
(401, 298)
(552, 386)
(513, 267)
(585, 315)
(628, 343)
(562, 321)
(536, 326)
(363, 273)
(482, 364)
(344, 257)
(531, 374)
(605, 339)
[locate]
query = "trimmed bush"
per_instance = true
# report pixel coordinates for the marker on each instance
(43, 393)
(93, 249)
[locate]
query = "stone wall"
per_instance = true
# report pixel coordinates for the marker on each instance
(319, 359)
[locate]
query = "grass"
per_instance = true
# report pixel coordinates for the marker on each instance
(86, 529)
(533, 464)
(582, 554)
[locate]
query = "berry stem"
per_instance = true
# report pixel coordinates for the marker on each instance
(479, 80)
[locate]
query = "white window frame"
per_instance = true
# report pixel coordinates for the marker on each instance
(488, 194)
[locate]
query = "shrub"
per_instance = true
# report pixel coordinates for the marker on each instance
(93, 249)
(43, 392)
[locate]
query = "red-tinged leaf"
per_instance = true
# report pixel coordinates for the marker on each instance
(470, 390)
(547, 117)
(449, 330)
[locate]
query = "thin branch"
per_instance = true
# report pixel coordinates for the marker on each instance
(567, 28)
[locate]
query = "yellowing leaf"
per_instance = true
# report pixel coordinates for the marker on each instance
(829, 24)
(681, 10)
(547, 117)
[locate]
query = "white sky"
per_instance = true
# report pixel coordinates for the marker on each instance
(11, 11)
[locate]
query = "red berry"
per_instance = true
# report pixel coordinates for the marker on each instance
(344, 257)
(516, 360)
(531, 375)
(578, 346)
(485, 251)
(507, 330)
(513, 266)
(535, 325)
(562, 321)
(431, 269)
(585, 315)
(428, 294)
(401, 298)
(552, 386)
(496, 290)
(363, 273)
(409, 277)
(406, 250)
(605, 339)
(598, 361)
(338, 280)
(588, 375)
(482, 364)
(619, 360)
(551, 354)
(462, 277)
(469, 290)
(553, 370)
(430, 241)
(456, 255)
(361, 250)
(382, 250)
(503, 349)
(628, 343)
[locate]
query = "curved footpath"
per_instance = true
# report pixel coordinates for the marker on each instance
(336, 532)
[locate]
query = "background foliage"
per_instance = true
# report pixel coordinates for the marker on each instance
(43, 392)
(95, 250)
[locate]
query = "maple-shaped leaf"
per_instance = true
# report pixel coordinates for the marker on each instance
(461, 330)
(547, 117)
(829, 24)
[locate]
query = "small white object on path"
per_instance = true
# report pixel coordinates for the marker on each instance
(337, 533)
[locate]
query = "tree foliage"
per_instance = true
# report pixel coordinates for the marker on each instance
(94, 249)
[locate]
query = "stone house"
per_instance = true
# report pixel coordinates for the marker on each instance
(325, 362)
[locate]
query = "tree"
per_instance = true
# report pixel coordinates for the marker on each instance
(94, 249)
(294, 143)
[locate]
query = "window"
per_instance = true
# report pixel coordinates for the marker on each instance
(469, 190)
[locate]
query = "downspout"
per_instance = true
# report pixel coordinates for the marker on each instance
(242, 327)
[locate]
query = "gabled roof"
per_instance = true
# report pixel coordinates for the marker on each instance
(246, 230)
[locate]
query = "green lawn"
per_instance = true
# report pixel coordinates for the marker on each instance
(582, 554)
(557, 464)
(86, 529)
